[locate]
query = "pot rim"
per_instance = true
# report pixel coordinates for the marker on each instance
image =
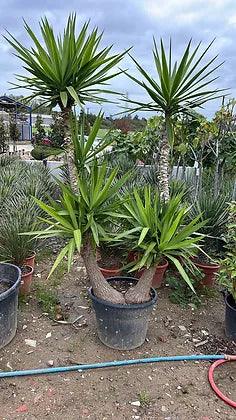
(165, 263)
(152, 301)
(110, 270)
(161, 266)
(30, 272)
(204, 265)
(15, 285)
(228, 295)
(31, 256)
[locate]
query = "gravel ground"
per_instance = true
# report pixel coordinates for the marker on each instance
(167, 391)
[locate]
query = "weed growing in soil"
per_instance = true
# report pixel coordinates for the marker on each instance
(182, 295)
(58, 275)
(144, 398)
(44, 254)
(47, 300)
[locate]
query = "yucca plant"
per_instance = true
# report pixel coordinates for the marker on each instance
(65, 70)
(178, 89)
(83, 220)
(18, 215)
(215, 212)
(157, 229)
(87, 148)
(19, 182)
(18, 177)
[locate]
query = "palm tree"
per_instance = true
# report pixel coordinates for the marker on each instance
(178, 89)
(65, 70)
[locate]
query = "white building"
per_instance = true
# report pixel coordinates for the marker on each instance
(47, 119)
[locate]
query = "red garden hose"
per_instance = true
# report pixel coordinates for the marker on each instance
(212, 382)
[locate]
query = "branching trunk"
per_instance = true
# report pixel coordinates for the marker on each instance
(137, 294)
(164, 167)
(101, 287)
(141, 291)
(73, 174)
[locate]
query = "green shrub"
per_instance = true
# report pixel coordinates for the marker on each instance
(215, 211)
(227, 274)
(43, 152)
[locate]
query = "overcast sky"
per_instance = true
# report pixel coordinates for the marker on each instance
(132, 23)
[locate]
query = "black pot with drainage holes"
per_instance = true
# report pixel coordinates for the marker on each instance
(230, 317)
(122, 327)
(10, 277)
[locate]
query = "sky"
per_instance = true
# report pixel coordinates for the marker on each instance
(131, 23)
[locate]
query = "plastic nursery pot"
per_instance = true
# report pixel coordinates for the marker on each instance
(30, 261)
(122, 327)
(209, 271)
(230, 317)
(9, 274)
(26, 280)
(159, 274)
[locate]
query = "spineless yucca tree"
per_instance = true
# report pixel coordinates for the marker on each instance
(178, 88)
(66, 70)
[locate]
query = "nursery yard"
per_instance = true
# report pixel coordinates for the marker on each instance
(154, 193)
(172, 391)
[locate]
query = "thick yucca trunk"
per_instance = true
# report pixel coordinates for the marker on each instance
(137, 294)
(164, 167)
(141, 291)
(70, 161)
(101, 287)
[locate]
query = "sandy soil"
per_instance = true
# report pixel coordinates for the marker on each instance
(170, 391)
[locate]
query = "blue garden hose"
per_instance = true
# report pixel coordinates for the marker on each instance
(117, 363)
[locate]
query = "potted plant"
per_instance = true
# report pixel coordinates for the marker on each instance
(214, 211)
(19, 181)
(109, 260)
(161, 268)
(10, 277)
(159, 231)
(122, 304)
(227, 274)
(14, 248)
(227, 278)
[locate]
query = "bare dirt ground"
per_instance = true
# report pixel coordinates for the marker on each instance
(168, 391)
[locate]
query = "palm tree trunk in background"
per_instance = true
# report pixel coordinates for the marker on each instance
(70, 160)
(101, 287)
(164, 167)
(217, 170)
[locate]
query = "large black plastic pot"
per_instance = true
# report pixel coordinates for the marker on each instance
(9, 302)
(122, 327)
(230, 317)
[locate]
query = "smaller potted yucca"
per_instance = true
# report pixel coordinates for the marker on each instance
(214, 211)
(15, 248)
(159, 231)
